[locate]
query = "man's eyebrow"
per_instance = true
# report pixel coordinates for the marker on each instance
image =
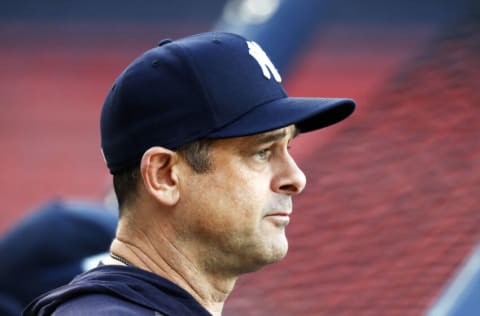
(275, 136)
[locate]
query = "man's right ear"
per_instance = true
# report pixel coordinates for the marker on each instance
(159, 173)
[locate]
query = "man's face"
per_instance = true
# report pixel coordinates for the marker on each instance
(234, 216)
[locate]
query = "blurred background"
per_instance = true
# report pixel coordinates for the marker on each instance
(389, 223)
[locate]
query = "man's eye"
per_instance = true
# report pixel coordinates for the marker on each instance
(263, 154)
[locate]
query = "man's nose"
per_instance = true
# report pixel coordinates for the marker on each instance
(289, 179)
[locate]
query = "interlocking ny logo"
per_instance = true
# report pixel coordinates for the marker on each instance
(265, 63)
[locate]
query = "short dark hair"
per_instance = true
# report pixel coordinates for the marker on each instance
(125, 182)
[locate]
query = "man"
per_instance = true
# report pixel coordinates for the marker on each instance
(196, 133)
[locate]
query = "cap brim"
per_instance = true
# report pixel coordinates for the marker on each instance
(307, 114)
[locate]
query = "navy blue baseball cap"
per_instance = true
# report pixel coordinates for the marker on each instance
(209, 85)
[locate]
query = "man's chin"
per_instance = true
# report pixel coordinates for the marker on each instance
(267, 252)
(277, 251)
(271, 260)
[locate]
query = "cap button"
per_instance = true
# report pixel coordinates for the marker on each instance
(164, 41)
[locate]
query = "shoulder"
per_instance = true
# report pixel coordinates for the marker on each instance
(101, 305)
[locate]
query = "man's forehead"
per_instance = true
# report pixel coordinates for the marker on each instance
(288, 132)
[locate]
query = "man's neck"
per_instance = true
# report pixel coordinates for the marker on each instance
(160, 256)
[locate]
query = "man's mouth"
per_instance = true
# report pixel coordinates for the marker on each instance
(279, 218)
